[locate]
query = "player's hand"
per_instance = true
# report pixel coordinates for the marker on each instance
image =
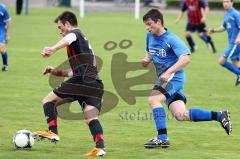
(165, 76)
(203, 19)
(48, 69)
(237, 41)
(210, 31)
(145, 62)
(47, 51)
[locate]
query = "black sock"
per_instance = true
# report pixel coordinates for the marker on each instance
(214, 116)
(211, 43)
(97, 133)
(190, 42)
(51, 116)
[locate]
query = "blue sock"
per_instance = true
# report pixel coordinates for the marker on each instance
(204, 38)
(5, 58)
(160, 121)
(232, 68)
(197, 114)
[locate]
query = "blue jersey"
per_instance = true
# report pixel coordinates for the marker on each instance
(232, 24)
(165, 51)
(4, 15)
(4, 18)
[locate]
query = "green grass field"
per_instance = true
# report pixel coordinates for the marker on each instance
(23, 87)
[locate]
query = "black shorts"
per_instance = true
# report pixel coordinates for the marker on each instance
(86, 92)
(199, 28)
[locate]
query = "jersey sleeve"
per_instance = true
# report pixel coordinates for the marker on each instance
(203, 3)
(178, 46)
(184, 7)
(71, 37)
(6, 16)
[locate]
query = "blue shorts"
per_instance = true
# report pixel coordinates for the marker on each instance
(173, 90)
(2, 35)
(231, 53)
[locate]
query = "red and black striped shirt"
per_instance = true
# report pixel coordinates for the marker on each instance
(194, 8)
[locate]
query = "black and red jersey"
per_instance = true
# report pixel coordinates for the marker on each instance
(81, 57)
(194, 8)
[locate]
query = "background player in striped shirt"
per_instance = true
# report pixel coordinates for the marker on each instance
(197, 11)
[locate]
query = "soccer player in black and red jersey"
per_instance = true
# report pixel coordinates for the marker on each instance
(84, 84)
(197, 11)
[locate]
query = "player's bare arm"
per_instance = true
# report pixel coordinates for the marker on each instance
(180, 15)
(48, 51)
(56, 72)
(216, 30)
(205, 13)
(8, 32)
(146, 60)
(180, 64)
(237, 41)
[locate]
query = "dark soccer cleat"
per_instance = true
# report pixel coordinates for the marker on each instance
(238, 80)
(193, 48)
(5, 68)
(211, 45)
(225, 121)
(157, 143)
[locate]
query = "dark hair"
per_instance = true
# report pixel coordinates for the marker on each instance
(154, 14)
(67, 16)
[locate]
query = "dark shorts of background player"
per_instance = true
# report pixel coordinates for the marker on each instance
(199, 28)
(86, 92)
(170, 99)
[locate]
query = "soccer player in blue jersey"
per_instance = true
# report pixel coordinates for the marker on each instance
(170, 55)
(4, 34)
(231, 23)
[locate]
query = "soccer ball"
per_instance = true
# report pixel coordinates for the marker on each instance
(23, 139)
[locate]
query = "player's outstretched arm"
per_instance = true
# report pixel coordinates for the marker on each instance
(180, 15)
(48, 51)
(216, 30)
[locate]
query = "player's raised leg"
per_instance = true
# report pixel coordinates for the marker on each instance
(223, 62)
(49, 106)
(181, 113)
